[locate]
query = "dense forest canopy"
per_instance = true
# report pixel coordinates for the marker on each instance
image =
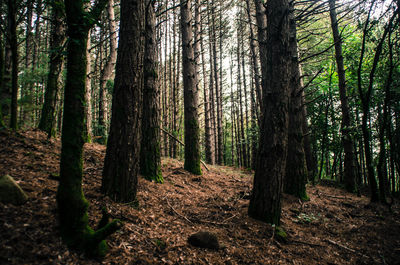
(298, 91)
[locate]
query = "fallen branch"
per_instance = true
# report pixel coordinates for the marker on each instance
(346, 248)
(175, 211)
(179, 141)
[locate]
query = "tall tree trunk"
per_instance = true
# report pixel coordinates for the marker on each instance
(175, 87)
(192, 131)
(296, 171)
(12, 24)
(219, 147)
(265, 202)
(247, 159)
(207, 119)
(211, 100)
(220, 96)
(121, 164)
(72, 205)
(262, 43)
(366, 99)
(6, 81)
(150, 156)
(254, 56)
(232, 110)
(349, 168)
(165, 90)
(107, 73)
(312, 167)
(88, 92)
(2, 64)
(382, 168)
(242, 137)
(47, 121)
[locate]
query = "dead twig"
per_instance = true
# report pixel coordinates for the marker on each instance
(346, 248)
(175, 211)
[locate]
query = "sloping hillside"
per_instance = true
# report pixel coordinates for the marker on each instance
(334, 227)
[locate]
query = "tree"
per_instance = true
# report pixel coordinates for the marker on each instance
(296, 171)
(47, 121)
(2, 63)
(348, 144)
(192, 130)
(107, 72)
(71, 202)
(121, 165)
(265, 202)
(365, 97)
(150, 156)
(12, 27)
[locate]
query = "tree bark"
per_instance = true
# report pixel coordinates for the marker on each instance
(192, 131)
(88, 93)
(121, 165)
(265, 202)
(107, 73)
(57, 40)
(2, 64)
(296, 171)
(207, 119)
(72, 205)
(219, 148)
(12, 24)
(150, 156)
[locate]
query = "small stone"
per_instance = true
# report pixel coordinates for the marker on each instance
(204, 239)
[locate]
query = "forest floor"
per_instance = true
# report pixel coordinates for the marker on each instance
(334, 227)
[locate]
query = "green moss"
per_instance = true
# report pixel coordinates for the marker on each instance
(280, 234)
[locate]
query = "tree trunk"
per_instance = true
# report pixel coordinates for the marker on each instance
(6, 81)
(121, 164)
(382, 168)
(192, 131)
(296, 171)
(2, 64)
(366, 99)
(245, 122)
(175, 86)
(242, 137)
(88, 93)
(218, 130)
(262, 43)
(150, 156)
(254, 56)
(47, 121)
(12, 24)
(72, 205)
(265, 202)
(212, 95)
(349, 168)
(107, 73)
(207, 119)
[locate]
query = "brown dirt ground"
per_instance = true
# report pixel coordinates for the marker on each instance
(334, 227)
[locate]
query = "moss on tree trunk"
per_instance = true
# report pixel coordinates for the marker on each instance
(71, 202)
